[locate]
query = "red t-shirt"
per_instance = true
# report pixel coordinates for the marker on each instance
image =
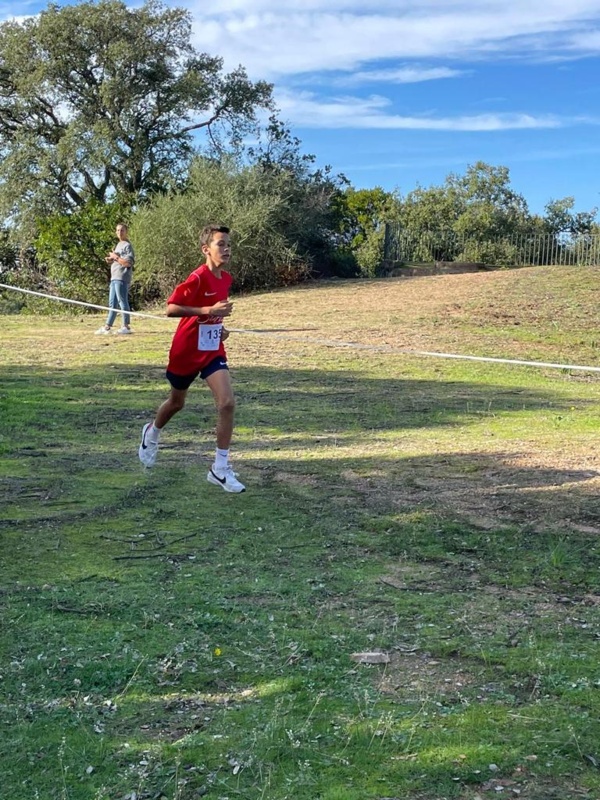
(197, 340)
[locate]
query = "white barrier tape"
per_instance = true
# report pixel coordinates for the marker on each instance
(78, 302)
(548, 365)
(333, 342)
(388, 348)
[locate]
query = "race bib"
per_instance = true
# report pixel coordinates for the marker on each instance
(209, 337)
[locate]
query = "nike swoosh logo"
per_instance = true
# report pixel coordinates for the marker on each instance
(221, 480)
(210, 294)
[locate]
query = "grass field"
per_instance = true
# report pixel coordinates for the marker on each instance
(162, 639)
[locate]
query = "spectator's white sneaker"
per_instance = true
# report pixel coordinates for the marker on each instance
(103, 331)
(124, 330)
(226, 479)
(148, 450)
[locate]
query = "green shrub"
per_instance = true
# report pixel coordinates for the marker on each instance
(276, 219)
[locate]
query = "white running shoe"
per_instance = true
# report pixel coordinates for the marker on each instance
(124, 330)
(148, 450)
(103, 331)
(226, 479)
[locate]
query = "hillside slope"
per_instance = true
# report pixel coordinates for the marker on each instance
(538, 313)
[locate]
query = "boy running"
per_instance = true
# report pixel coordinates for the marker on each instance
(197, 349)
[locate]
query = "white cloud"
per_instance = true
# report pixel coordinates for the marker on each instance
(586, 42)
(354, 43)
(400, 75)
(278, 39)
(426, 7)
(308, 111)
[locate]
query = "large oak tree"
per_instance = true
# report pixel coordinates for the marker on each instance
(98, 99)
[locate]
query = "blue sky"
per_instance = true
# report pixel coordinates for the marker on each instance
(399, 93)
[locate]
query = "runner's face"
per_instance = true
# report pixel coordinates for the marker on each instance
(218, 252)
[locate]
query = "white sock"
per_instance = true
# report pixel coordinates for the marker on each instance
(154, 434)
(221, 457)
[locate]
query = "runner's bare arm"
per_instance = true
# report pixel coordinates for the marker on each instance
(221, 309)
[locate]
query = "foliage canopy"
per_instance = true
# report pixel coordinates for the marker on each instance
(280, 212)
(98, 99)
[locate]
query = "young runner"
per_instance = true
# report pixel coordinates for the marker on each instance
(202, 301)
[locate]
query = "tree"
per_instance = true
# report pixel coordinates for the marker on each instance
(490, 207)
(279, 210)
(469, 217)
(97, 100)
(493, 215)
(561, 219)
(71, 248)
(362, 217)
(478, 204)
(306, 215)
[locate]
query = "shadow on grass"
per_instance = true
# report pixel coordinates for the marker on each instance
(338, 400)
(72, 448)
(159, 630)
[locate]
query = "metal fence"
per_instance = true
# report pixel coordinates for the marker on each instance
(523, 249)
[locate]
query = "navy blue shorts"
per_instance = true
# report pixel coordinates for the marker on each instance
(183, 382)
